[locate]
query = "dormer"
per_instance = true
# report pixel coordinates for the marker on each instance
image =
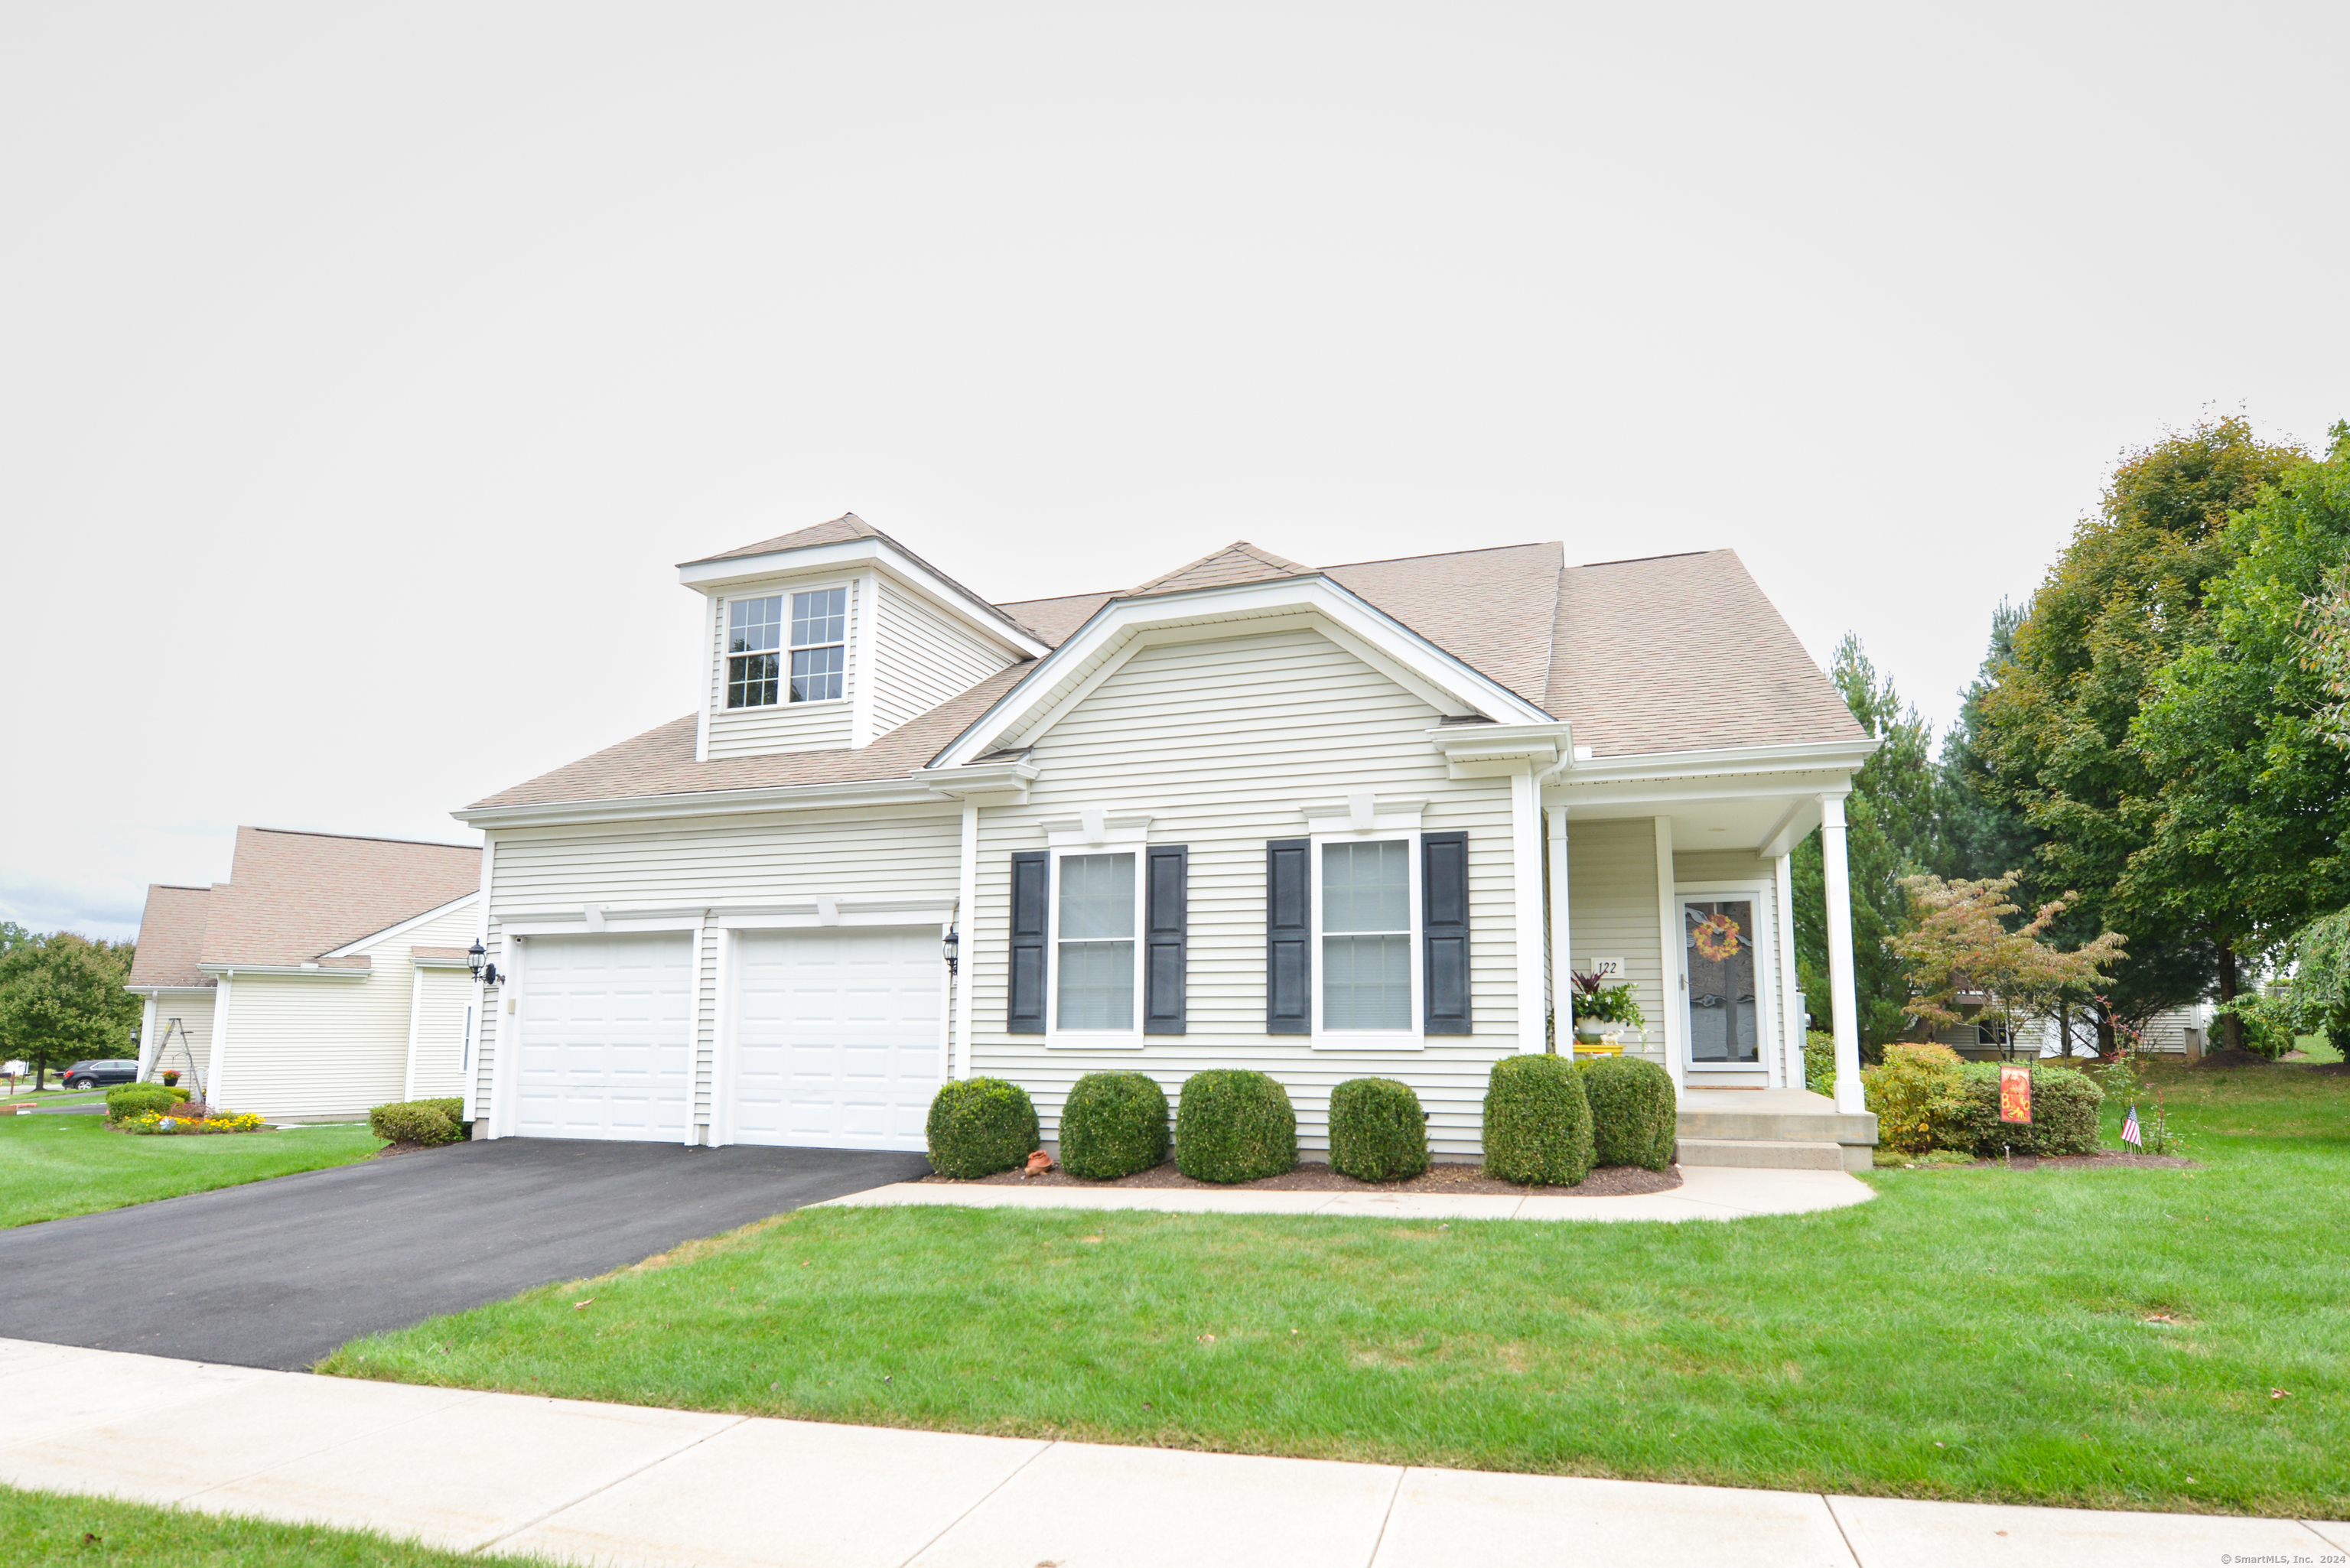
(829, 638)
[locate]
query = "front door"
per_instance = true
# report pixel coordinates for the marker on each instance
(1721, 970)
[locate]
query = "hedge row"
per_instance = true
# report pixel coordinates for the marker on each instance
(138, 1099)
(1548, 1122)
(1926, 1098)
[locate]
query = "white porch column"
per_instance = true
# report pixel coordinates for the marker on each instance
(1842, 1000)
(1671, 983)
(967, 950)
(1791, 1010)
(1526, 836)
(415, 1021)
(147, 1038)
(1562, 964)
(213, 1093)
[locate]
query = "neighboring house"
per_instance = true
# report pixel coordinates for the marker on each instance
(326, 976)
(1324, 823)
(2176, 1031)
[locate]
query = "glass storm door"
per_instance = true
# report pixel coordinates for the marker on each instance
(1718, 961)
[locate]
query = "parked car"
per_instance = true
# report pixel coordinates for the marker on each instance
(93, 1074)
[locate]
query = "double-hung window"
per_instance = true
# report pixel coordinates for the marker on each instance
(762, 642)
(1365, 905)
(1095, 957)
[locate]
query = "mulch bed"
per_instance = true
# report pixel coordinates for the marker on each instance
(1611, 1181)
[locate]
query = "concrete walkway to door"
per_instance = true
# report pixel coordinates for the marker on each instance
(278, 1272)
(624, 1484)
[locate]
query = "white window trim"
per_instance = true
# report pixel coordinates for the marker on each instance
(1413, 1038)
(782, 650)
(1057, 1037)
(1764, 892)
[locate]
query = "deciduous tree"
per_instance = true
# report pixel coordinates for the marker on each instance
(61, 999)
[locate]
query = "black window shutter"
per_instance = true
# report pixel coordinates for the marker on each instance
(1444, 930)
(1288, 937)
(1164, 906)
(1031, 887)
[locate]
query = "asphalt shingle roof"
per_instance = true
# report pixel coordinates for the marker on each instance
(293, 896)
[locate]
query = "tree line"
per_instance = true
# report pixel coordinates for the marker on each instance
(2158, 740)
(61, 999)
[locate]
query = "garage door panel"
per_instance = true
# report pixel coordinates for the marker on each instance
(606, 1050)
(836, 1037)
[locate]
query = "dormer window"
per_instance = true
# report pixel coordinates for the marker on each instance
(755, 649)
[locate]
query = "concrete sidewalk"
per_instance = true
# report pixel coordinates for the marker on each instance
(1707, 1192)
(623, 1484)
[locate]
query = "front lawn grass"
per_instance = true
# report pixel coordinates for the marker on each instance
(51, 1166)
(2123, 1338)
(42, 1527)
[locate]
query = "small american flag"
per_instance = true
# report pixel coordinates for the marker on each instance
(2129, 1129)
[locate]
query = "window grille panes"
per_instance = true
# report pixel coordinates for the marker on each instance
(818, 648)
(1367, 935)
(1096, 957)
(754, 630)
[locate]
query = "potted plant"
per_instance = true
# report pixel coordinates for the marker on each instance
(1602, 1010)
(170, 1078)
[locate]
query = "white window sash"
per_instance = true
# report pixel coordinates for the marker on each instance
(1413, 1037)
(1111, 1039)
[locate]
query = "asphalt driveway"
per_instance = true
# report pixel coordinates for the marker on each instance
(276, 1273)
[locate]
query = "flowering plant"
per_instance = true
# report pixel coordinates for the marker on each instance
(1596, 1001)
(194, 1119)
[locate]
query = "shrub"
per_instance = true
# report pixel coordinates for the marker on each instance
(1819, 1062)
(1634, 1119)
(979, 1126)
(1378, 1131)
(1113, 1124)
(1231, 1125)
(2064, 1114)
(137, 1099)
(1916, 1095)
(180, 1094)
(1537, 1122)
(424, 1122)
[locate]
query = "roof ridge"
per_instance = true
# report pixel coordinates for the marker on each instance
(355, 838)
(1439, 554)
(182, 887)
(1667, 556)
(1281, 566)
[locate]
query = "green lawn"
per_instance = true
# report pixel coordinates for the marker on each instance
(40, 1527)
(51, 1166)
(2130, 1338)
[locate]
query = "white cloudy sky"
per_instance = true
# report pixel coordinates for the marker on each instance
(364, 369)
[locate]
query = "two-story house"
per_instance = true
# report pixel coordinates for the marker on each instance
(1321, 821)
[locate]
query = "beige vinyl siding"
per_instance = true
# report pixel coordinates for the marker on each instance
(1612, 910)
(326, 1048)
(920, 659)
(1223, 742)
(193, 1008)
(441, 1028)
(782, 726)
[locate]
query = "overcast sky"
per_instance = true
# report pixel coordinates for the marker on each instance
(364, 371)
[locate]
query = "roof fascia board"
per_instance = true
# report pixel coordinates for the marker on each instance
(705, 803)
(710, 576)
(1799, 756)
(281, 971)
(1689, 790)
(353, 950)
(1370, 628)
(162, 990)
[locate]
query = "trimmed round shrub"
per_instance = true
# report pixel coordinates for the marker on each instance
(412, 1121)
(1537, 1122)
(1914, 1093)
(1113, 1124)
(2064, 1105)
(1634, 1120)
(138, 1099)
(1378, 1131)
(979, 1126)
(1231, 1125)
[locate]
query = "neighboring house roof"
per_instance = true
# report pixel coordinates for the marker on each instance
(292, 898)
(1670, 654)
(846, 526)
(170, 937)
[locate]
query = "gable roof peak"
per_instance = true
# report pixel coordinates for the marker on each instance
(848, 526)
(1238, 561)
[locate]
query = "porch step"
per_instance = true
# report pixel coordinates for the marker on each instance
(1764, 1153)
(1775, 1114)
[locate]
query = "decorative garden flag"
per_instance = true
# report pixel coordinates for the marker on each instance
(2130, 1132)
(2015, 1093)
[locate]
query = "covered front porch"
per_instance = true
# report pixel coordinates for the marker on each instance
(1673, 874)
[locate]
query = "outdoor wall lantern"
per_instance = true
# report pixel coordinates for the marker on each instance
(488, 974)
(951, 946)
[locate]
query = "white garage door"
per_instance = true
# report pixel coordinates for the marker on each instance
(605, 1046)
(836, 1037)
